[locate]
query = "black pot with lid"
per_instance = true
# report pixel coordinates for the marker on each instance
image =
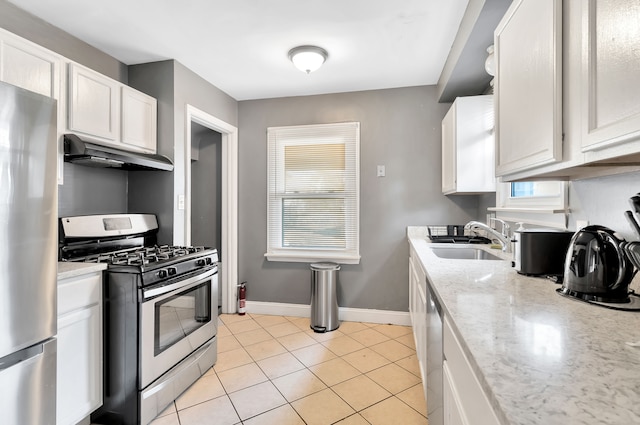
(596, 267)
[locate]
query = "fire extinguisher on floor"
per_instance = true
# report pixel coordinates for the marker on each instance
(242, 298)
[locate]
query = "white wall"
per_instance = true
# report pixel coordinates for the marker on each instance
(603, 201)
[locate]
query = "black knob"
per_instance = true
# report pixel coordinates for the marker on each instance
(162, 273)
(209, 261)
(172, 271)
(201, 262)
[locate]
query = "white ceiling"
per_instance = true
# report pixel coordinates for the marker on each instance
(241, 46)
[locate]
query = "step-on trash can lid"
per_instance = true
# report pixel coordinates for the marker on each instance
(325, 266)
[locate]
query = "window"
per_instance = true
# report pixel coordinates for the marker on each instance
(546, 195)
(313, 193)
(540, 202)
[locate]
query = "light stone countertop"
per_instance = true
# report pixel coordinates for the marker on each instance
(541, 358)
(72, 269)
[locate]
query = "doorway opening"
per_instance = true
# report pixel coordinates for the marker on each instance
(211, 207)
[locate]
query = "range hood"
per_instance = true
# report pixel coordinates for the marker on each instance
(82, 152)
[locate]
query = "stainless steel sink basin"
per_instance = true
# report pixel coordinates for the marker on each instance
(463, 253)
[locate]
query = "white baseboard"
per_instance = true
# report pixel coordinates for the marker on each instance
(344, 313)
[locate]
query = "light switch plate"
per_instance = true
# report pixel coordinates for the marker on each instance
(381, 171)
(181, 202)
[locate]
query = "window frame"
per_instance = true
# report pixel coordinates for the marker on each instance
(300, 135)
(548, 211)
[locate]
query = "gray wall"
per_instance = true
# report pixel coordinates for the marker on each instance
(156, 79)
(40, 32)
(400, 128)
(174, 86)
(90, 190)
(85, 190)
(206, 187)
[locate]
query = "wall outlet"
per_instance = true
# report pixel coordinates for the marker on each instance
(381, 172)
(181, 202)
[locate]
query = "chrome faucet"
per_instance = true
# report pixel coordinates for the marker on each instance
(503, 237)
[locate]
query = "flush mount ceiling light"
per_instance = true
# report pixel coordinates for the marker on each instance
(308, 58)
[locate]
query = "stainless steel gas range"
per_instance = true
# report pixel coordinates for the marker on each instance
(160, 312)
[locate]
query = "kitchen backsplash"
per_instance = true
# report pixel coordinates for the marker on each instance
(88, 190)
(603, 201)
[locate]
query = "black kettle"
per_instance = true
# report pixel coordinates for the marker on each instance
(596, 267)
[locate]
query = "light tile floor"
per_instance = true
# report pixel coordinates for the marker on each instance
(274, 370)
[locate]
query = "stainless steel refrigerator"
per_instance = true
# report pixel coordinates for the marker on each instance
(28, 257)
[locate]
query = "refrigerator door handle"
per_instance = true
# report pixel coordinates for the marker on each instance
(12, 359)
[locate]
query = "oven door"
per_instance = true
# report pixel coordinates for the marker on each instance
(177, 317)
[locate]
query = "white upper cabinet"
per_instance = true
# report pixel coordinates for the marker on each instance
(468, 154)
(610, 73)
(29, 66)
(110, 112)
(93, 103)
(139, 117)
(528, 88)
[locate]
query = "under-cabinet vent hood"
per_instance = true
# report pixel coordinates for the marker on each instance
(87, 153)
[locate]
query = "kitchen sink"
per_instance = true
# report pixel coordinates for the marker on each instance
(463, 253)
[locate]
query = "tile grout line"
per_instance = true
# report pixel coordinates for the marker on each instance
(391, 395)
(307, 368)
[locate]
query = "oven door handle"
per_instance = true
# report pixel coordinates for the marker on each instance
(154, 292)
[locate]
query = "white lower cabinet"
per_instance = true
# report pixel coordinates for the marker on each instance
(453, 412)
(79, 381)
(418, 312)
(465, 402)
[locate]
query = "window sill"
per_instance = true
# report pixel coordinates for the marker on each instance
(547, 217)
(532, 210)
(312, 257)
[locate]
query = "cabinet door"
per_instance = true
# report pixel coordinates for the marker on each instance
(139, 117)
(453, 413)
(449, 151)
(93, 103)
(468, 146)
(611, 73)
(421, 333)
(471, 401)
(528, 88)
(31, 67)
(412, 290)
(79, 386)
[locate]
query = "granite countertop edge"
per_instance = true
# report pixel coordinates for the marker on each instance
(71, 269)
(539, 357)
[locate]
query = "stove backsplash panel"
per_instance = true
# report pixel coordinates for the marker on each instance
(88, 190)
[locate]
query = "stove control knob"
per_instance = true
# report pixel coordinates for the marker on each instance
(201, 262)
(209, 261)
(172, 271)
(162, 273)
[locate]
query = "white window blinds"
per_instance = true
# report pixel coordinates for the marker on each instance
(313, 193)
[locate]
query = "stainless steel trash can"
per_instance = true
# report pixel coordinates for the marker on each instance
(324, 303)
